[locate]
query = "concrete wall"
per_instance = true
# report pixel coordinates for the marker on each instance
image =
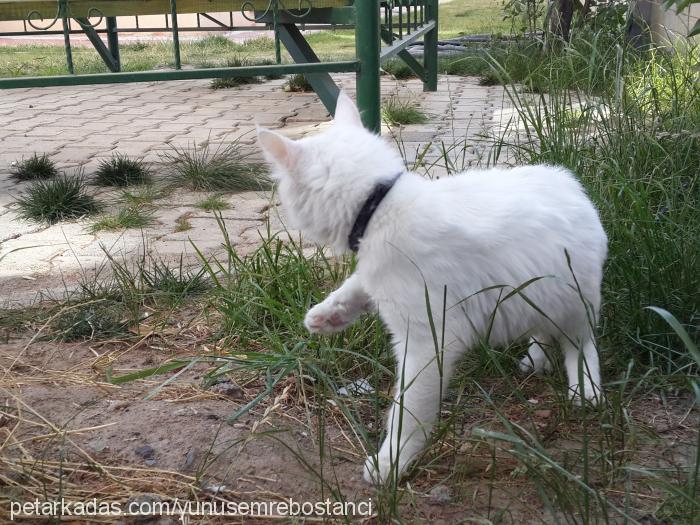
(668, 24)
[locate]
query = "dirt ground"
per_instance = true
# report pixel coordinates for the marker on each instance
(66, 431)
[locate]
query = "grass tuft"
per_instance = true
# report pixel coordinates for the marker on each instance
(213, 203)
(121, 170)
(59, 199)
(182, 223)
(396, 111)
(171, 285)
(223, 168)
(298, 84)
(36, 167)
(124, 219)
(142, 196)
(101, 319)
(398, 69)
(231, 82)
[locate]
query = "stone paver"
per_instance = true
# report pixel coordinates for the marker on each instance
(78, 126)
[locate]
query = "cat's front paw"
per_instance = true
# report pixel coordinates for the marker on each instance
(376, 471)
(327, 318)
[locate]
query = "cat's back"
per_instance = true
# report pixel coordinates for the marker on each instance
(541, 181)
(500, 206)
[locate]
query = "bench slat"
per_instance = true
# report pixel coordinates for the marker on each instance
(20, 9)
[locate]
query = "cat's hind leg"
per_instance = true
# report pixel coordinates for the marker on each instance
(340, 309)
(536, 359)
(581, 361)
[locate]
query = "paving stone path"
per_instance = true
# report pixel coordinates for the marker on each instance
(78, 126)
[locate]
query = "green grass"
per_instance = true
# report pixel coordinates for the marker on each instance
(35, 167)
(634, 151)
(213, 203)
(396, 111)
(126, 218)
(59, 199)
(470, 17)
(224, 167)
(121, 170)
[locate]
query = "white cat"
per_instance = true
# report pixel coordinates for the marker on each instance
(475, 238)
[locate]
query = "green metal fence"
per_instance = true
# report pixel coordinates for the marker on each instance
(383, 29)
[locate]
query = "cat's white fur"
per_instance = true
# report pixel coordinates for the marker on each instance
(479, 236)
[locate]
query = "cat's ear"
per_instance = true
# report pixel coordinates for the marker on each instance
(277, 148)
(346, 111)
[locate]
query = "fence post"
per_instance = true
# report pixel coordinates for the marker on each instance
(176, 34)
(368, 47)
(64, 13)
(430, 49)
(113, 40)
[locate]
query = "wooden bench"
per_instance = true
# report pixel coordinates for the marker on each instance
(398, 23)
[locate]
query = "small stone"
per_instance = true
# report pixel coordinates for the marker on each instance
(97, 445)
(193, 456)
(215, 488)
(145, 452)
(544, 414)
(440, 494)
(228, 389)
(150, 462)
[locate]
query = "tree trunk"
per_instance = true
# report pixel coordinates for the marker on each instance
(561, 15)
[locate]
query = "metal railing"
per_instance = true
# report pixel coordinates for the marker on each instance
(399, 23)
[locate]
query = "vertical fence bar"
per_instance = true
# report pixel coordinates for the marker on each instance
(390, 10)
(176, 34)
(367, 46)
(63, 12)
(276, 29)
(113, 40)
(430, 48)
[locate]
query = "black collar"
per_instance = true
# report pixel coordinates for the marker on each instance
(368, 208)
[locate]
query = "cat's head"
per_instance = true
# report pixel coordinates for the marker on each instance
(324, 180)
